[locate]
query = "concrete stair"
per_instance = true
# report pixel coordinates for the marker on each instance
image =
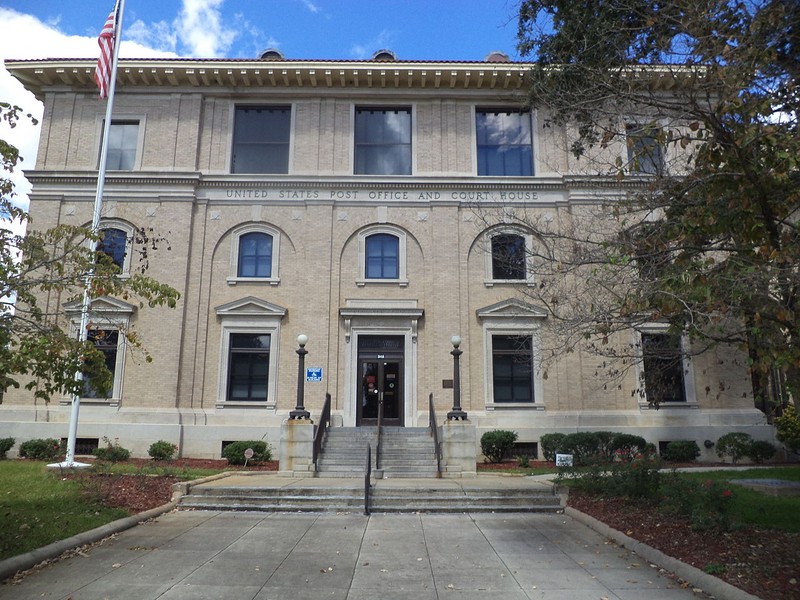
(349, 497)
(405, 452)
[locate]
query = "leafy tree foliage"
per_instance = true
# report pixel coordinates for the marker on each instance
(690, 108)
(39, 271)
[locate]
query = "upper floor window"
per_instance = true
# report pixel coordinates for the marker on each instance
(504, 143)
(382, 255)
(113, 243)
(123, 140)
(645, 153)
(255, 248)
(508, 256)
(383, 141)
(382, 260)
(255, 255)
(261, 139)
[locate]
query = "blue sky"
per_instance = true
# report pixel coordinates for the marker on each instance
(331, 29)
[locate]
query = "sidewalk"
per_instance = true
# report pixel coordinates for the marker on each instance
(195, 555)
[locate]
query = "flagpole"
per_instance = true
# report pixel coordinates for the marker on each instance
(83, 334)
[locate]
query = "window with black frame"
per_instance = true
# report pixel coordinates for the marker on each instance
(261, 139)
(512, 368)
(248, 367)
(383, 141)
(107, 342)
(645, 153)
(504, 143)
(508, 256)
(662, 359)
(113, 244)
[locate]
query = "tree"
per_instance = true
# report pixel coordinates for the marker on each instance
(704, 235)
(37, 349)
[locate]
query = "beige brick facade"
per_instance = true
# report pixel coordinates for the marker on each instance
(319, 214)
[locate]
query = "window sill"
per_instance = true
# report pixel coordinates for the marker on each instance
(243, 404)
(398, 282)
(112, 402)
(269, 280)
(670, 405)
(493, 282)
(514, 406)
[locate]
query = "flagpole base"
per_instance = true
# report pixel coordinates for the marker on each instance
(69, 465)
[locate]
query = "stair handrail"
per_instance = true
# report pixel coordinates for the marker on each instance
(378, 438)
(367, 474)
(322, 427)
(435, 431)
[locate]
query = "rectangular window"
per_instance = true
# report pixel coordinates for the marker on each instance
(248, 367)
(512, 368)
(261, 139)
(504, 143)
(107, 341)
(383, 141)
(645, 154)
(663, 368)
(123, 140)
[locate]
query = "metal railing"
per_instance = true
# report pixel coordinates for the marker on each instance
(378, 437)
(435, 431)
(367, 474)
(322, 426)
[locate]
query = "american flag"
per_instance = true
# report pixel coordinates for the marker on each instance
(102, 74)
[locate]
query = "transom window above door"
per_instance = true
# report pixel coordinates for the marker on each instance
(261, 139)
(383, 141)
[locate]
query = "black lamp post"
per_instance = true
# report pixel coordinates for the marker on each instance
(300, 411)
(456, 414)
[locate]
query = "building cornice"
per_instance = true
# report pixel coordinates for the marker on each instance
(208, 74)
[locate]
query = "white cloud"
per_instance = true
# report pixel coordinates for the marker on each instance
(311, 6)
(200, 28)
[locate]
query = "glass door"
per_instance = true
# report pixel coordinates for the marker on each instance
(381, 381)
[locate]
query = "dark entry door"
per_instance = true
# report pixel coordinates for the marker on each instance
(381, 377)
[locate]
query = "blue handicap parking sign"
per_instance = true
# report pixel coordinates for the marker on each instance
(314, 374)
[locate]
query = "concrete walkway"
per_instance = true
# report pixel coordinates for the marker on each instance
(285, 556)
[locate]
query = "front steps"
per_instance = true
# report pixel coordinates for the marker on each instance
(348, 496)
(405, 452)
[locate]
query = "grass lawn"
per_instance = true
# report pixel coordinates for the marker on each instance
(38, 507)
(750, 507)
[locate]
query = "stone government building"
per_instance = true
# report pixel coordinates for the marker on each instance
(341, 200)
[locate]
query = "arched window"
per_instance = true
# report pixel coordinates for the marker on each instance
(255, 249)
(255, 255)
(508, 256)
(114, 244)
(382, 257)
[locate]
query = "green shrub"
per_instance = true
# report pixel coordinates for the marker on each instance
(604, 439)
(637, 478)
(734, 444)
(234, 452)
(585, 447)
(113, 452)
(788, 428)
(682, 451)
(626, 446)
(5, 445)
(162, 450)
(497, 444)
(41, 449)
(551, 443)
(761, 450)
(706, 503)
(523, 461)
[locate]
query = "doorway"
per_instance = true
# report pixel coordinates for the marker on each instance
(380, 373)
